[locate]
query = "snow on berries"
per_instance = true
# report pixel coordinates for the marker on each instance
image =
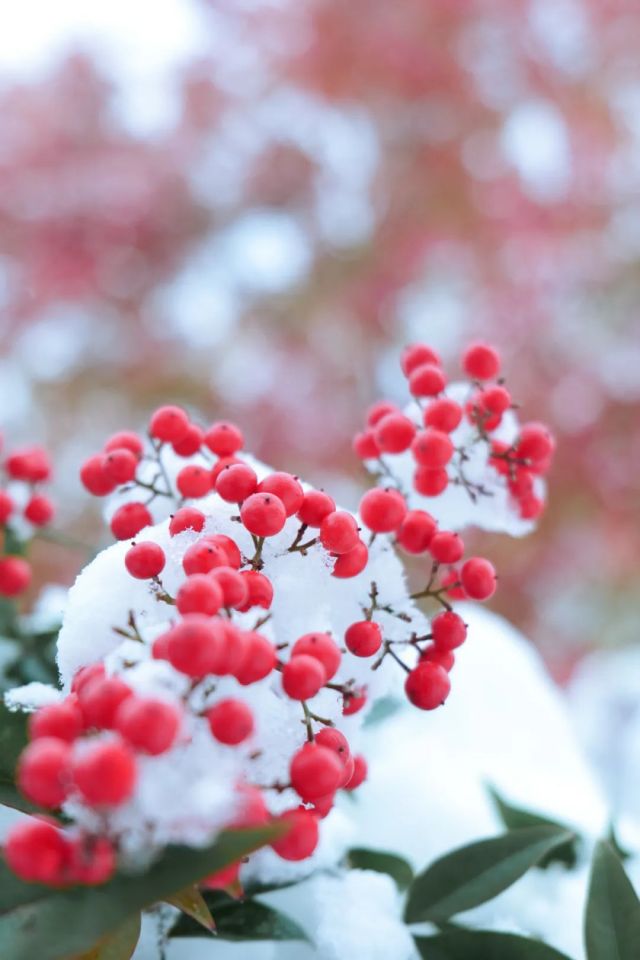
(238, 632)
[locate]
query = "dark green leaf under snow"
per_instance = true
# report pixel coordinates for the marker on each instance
(242, 920)
(362, 859)
(515, 818)
(13, 739)
(484, 945)
(474, 874)
(612, 921)
(37, 922)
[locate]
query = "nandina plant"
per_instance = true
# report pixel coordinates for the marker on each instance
(218, 661)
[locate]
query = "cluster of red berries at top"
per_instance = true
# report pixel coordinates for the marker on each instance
(29, 468)
(86, 747)
(438, 462)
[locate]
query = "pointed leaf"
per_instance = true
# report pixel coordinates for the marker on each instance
(55, 924)
(515, 818)
(484, 945)
(191, 902)
(242, 920)
(381, 862)
(612, 922)
(477, 873)
(119, 945)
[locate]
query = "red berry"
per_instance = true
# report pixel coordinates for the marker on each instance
(15, 576)
(263, 514)
(169, 424)
(479, 414)
(521, 485)
(125, 440)
(31, 464)
(92, 861)
(378, 410)
(302, 835)
(415, 355)
(229, 546)
(359, 775)
(481, 362)
(200, 594)
(323, 648)
(260, 590)
(478, 578)
(363, 638)
(432, 448)
(195, 645)
(394, 433)
(190, 443)
(145, 560)
(315, 507)
(85, 674)
(430, 483)
(315, 771)
(351, 564)
(186, 518)
(44, 771)
(416, 531)
(120, 465)
(382, 511)
(230, 721)
(443, 414)
(451, 581)
(7, 507)
(339, 532)
(194, 481)
(433, 654)
(427, 380)
(365, 446)
(100, 699)
(322, 806)
(148, 724)
(496, 399)
(235, 591)
(221, 465)
(446, 547)
(497, 460)
(353, 702)
(105, 773)
(259, 659)
(236, 482)
(535, 443)
(36, 851)
(129, 520)
(427, 686)
(448, 630)
(531, 507)
(224, 439)
(302, 677)
(39, 510)
(334, 740)
(61, 720)
(286, 488)
(203, 556)
(94, 477)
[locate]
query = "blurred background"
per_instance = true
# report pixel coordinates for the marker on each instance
(248, 206)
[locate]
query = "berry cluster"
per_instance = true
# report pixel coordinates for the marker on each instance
(445, 425)
(222, 640)
(23, 507)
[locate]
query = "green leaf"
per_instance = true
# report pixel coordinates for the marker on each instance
(484, 945)
(13, 739)
(515, 818)
(477, 873)
(191, 902)
(381, 862)
(612, 921)
(37, 922)
(616, 846)
(382, 710)
(242, 920)
(119, 945)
